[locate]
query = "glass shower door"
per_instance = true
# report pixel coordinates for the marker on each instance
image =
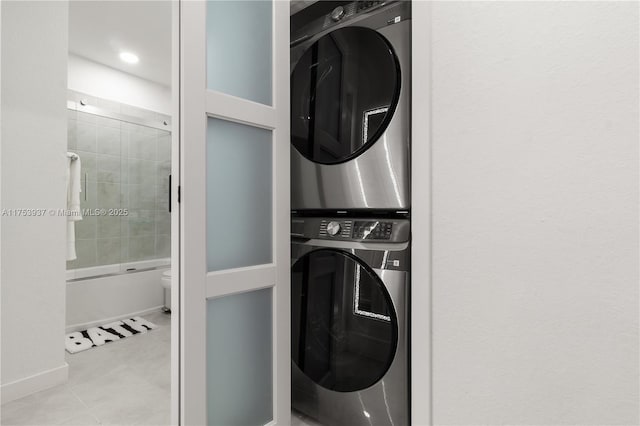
(125, 157)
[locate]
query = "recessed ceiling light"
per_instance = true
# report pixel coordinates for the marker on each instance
(129, 57)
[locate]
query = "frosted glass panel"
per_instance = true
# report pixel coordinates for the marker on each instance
(239, 189)
(239, 359)
(239, 48)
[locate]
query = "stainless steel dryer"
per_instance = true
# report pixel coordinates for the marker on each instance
(349, 316)
(350, 109)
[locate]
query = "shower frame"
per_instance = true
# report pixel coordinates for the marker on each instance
(104, 271)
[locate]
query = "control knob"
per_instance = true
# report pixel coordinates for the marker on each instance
(333, 228)
(337, 13)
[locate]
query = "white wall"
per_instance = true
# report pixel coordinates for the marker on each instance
(34, 141)
(96, 301)
(535, 212)
(104, 82)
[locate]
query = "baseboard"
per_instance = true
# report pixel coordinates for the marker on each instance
(84, 326)
(32, 384)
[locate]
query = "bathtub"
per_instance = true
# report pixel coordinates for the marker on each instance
(111, 292)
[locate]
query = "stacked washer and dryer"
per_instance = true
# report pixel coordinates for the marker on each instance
(350, 229)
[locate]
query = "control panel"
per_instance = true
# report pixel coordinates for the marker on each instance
(380, 241)
(380, 230)
(356, 229)
(363, 5)
(377, 13)
(335, 228)
(372, 230)
(349, 10)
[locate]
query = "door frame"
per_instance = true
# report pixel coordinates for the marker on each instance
(175, 216)
(421, 394)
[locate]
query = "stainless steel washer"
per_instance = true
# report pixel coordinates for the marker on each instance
(350, 109)
(349, 302)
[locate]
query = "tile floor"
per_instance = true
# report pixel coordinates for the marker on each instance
(127, 382)
(121, 383)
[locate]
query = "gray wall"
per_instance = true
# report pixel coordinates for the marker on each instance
(127, 167)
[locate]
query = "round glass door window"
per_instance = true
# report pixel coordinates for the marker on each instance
(344, 330)
(344, 90)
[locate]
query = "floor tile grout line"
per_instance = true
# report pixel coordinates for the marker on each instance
(89, 409)
(84, 404)
(95, 417)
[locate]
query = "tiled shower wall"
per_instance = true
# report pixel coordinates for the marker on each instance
(124, 166)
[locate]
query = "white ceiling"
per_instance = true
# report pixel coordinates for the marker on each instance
(100, 30)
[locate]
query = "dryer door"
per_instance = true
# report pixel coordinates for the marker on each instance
(344, 90)
(344, 326)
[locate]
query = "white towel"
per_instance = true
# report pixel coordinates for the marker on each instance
(74, 188)
(71, 240)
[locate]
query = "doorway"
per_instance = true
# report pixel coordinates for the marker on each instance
(87, 314)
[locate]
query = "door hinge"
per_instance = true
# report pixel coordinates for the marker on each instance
(179, 187)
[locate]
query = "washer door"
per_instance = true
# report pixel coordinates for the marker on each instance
(344, 90)
(343, 325)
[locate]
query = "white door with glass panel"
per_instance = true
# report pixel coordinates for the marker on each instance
(234, 213)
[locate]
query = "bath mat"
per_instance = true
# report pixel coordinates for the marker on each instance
(79, 341)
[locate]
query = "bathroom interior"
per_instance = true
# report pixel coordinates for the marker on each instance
(122, 141)
(118, 248)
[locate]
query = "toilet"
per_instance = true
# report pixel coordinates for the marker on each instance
(166, 284)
